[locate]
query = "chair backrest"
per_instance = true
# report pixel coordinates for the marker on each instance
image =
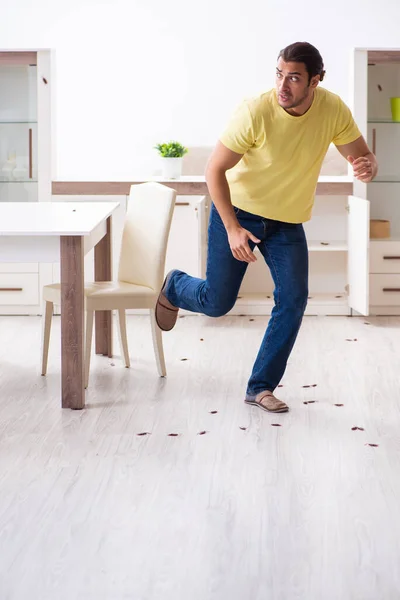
(145, 235)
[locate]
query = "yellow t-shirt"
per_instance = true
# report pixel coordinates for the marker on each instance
(283, 154)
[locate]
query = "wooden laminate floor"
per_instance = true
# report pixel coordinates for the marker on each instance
(91, 510)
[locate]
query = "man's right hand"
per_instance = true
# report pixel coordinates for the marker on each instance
(238, 242)
(221, 160)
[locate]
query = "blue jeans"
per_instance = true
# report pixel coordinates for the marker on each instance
(284, 248)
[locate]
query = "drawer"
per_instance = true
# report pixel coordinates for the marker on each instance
(384, 257)
(384, 290)
(19, 267)
(19, 289)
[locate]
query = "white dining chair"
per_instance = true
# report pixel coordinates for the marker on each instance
(140, 274)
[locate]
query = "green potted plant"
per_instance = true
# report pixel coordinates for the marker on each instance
(172, 154)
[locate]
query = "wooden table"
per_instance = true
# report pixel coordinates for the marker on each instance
(64, 231)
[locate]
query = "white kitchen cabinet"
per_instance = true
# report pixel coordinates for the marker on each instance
(25, 161)
(376, 77)
(337, 236)
(338, 243)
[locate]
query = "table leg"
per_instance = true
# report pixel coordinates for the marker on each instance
(103, 272)
(72, 322)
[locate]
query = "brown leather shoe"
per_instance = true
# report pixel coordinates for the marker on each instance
(267, 401)
(166, 313)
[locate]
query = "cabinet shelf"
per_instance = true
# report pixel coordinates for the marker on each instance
(389, 121)
(392, 238)
(318, 304)
(386, 179)
(7, 181)
(20, 122)
(339, 298)
(327, 246)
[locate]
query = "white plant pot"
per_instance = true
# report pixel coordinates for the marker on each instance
(171, 168)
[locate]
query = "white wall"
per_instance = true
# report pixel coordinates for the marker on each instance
(131, 73)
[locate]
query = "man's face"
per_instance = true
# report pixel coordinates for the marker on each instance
(292, 85)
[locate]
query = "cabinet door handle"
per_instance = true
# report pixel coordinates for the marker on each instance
(391, 258)
(374, 141)
(11, 289)
(30, 153)
(182, 203)
(391, 289)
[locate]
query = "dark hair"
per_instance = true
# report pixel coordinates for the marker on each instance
(306, 53)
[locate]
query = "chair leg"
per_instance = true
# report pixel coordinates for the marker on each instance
(158, 344)
(123, 339)
(88, 343)
(46, 327)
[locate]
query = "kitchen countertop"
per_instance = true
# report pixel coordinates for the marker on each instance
(189, 185)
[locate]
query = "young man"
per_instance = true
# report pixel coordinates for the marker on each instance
(262, 177)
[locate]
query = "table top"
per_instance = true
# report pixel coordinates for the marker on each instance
(53, 218)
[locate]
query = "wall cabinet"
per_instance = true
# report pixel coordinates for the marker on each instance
(376, 79)
(25, 161)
